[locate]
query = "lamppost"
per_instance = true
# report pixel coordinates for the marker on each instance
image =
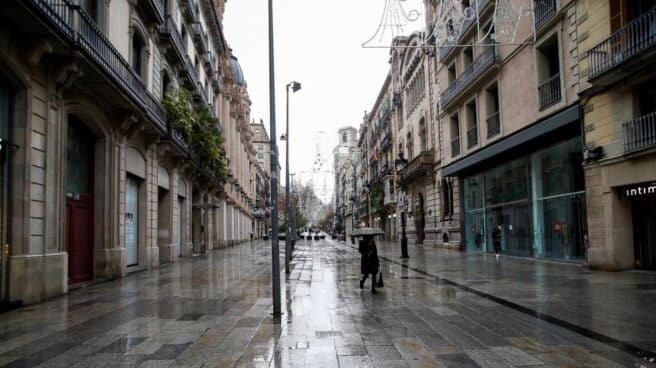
(400, 164)
(275, 252)
(292, 212)
(295, 86)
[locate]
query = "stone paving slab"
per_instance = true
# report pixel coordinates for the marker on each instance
(214, 311)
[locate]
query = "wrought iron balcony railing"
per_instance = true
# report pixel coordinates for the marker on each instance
(455, 146)
(472, 136)
(155, 7)
(448, 46)
(78, 28)
(200, 36)
(493, 125)
(629, 41)
(471, 73)
(549, 92)
(191, 75)
(419, 166)
(640, 133)
(544, 10)
(177, 45)
(189, 10)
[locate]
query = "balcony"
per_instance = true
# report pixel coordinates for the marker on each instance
(472, 136)
(190, 74)
(188, 8)
(421, 165)
(200, 37)
(77, 28)
(544, 11)
(450, 45)
(153, 9)
(625, 47)
(549, 92)
(468, 78)
(493, 125)
(455, 146)
(640, 133)
(169, 33)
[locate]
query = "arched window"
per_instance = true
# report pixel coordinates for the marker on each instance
(138, 56)
(409, 147)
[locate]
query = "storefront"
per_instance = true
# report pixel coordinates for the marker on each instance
(531, 187)
(537, 201)
(643, 209)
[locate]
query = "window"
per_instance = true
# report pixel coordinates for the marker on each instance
(344, 138)
(183, 35)
(422, 135)
(452, 73)
(548, 73)
(409, 147)
(138, 62)
(260, 147)
(472, 124)
(257, 131)
(260, 156)
(446, 198)
(468, 56)
(492, 111)
(455, 135)
(91, 8)
(166, 84)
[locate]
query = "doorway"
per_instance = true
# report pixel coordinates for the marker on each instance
(80, 148)
(420, 221)
(132, 220)
(644, 232)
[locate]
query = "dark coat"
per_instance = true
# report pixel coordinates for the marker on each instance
(362, 248)
(496, 239)
(372, 263)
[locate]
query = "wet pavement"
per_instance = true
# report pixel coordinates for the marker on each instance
(214, 311)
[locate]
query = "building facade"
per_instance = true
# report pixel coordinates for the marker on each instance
(618, 100)
(96, 183)
(262, 212)
(510, 120)
(343, 162)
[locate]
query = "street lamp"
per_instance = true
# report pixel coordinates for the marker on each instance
(275, 257)
(400, 164)
(295, 86)
(293, 213)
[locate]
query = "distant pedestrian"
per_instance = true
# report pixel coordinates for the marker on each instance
(370, 264)
(496, 240)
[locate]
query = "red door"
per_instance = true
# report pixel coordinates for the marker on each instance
(79, 235)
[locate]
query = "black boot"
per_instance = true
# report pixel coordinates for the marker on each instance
(361, 284)
(373, 291)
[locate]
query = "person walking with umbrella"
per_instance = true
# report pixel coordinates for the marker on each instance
(369, 262)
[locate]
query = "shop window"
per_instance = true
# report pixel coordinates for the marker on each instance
(455, 135)
(492, 110)
(446, 198)
(507, 183)
(472, 124)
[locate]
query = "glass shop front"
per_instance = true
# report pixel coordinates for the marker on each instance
(537, 201)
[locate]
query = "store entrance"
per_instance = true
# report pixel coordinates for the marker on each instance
(644, 232)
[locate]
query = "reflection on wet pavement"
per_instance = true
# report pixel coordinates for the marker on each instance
(214, 311)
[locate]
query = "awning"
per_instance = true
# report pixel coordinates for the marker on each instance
(537, 130)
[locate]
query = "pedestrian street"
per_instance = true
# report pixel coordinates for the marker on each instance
(214, 310)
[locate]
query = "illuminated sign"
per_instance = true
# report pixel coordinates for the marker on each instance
(639, 190)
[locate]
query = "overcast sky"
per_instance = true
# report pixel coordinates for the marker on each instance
(317, 43)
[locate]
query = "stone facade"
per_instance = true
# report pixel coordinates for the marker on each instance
(620, 130)
(94, 75)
